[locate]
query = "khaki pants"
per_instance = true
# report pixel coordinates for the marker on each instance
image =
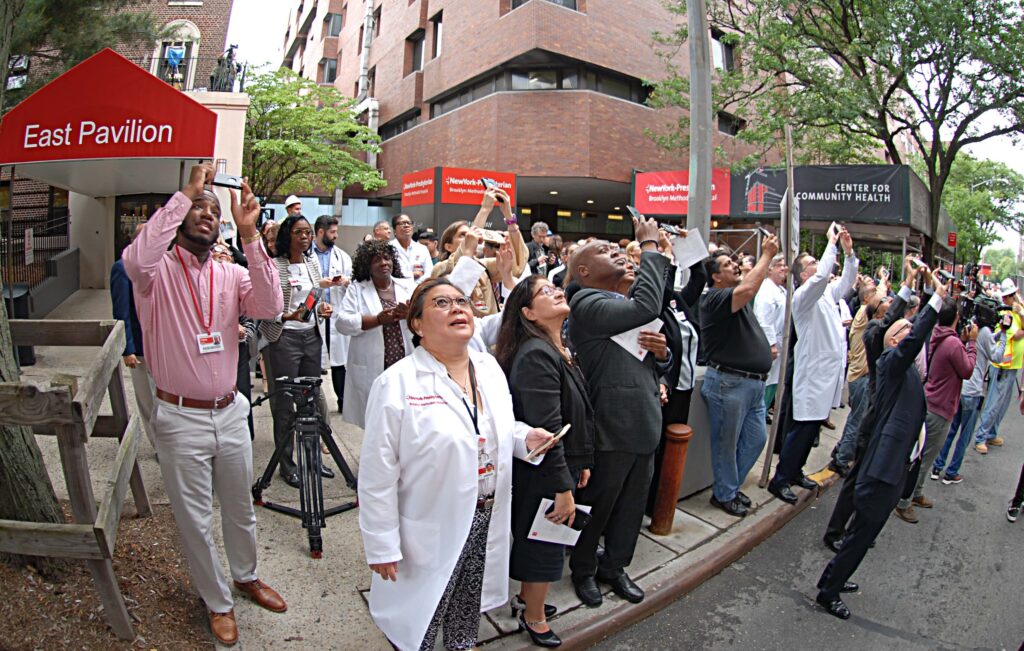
(145, 394)
(203, 452)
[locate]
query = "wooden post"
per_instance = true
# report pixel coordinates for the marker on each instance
(119, 405)
(677, 441)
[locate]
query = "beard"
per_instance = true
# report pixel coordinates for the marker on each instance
(328, 242)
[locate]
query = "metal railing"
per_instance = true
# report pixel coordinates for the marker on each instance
(50, 238)
(198, 73)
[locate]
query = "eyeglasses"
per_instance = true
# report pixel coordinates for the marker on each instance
(548, 290)
(446, 302)
(400, 224)
(302, 231)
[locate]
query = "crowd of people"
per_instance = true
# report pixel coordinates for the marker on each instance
(490, 380)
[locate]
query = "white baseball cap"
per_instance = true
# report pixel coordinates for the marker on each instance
(291, 200)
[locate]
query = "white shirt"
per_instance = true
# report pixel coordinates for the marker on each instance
(302, 284)
(770, 310)
(415, 258)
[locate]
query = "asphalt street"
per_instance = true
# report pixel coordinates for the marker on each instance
(952, 581)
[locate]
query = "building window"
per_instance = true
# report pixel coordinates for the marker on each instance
(722, 53)
(376, 21)
(729, 124)
(328, 71)
(371, 81)
(438, 28)
(535, 80)
(333, 24)
(174, 60)
(414, 52)
(569, 4)
(399, 125)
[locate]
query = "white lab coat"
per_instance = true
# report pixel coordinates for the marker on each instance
(820, 352)
(415, 255)
(464, 277)
(418, 488)
(770, 310)
(341, 264)
(366, 348)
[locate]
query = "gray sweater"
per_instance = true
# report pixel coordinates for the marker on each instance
(990, 347)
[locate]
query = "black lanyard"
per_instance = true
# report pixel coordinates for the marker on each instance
(473, 413)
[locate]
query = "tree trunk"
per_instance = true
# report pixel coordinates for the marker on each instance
(25, 489)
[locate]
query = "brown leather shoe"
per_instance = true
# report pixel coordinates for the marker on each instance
(223, 627)
(923, 502)
(907, 515)
(263, 595)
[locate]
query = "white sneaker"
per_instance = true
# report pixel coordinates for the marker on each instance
(934, 476)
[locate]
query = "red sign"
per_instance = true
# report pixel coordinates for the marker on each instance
(984, 269)
(462, 186)
(668, 193)
(951, 239)
(418, 187)
(106, 107)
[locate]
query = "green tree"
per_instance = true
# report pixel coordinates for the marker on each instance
(855, 76)
(981, 196)
(1004, 263)
(54, 35)
(301, 136)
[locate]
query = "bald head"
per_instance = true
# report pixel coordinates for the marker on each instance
(897, 332)
(597, 265)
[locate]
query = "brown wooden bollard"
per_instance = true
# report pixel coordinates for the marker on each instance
(677, 441)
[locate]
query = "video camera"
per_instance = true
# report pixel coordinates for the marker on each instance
(304, 390)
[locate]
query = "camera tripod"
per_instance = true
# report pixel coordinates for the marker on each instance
(308, 428)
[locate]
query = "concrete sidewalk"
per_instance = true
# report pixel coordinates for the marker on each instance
(326, 597)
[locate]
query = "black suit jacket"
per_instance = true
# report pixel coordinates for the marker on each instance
(623, 390)
(900, 407)
(548, 393)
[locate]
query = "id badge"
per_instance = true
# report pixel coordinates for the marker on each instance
(486, 467)
(294, 282)
(210, 343)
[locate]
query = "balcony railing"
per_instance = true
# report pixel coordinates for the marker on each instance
(201, 74)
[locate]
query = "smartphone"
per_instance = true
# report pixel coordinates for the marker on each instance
(491, 183)
(764, 231)
(308, 307)
(669, 228)
(944, 275)
(336, 278)
(916, 262)
(579, 521)
(633, 211)
(228, 181)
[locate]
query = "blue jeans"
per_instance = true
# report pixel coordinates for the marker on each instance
(736, 411)
(1001, 383)
(844, 450)
(964, 421)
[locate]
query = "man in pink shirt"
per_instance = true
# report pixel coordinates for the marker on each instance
(188, 306)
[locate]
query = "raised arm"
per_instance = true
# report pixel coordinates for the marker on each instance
(747, 289)
(611, 316)
(260, 294)
(808, 293)
(850, 266)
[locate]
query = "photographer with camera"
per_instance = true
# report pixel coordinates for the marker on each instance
(189, 307)
(990, 344)
(1003, 374)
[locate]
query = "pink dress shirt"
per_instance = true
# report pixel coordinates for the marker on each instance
(168, 315)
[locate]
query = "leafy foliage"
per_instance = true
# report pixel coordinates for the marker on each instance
(1004, 263)
(300, 136)
(54, 35)
(856, 76)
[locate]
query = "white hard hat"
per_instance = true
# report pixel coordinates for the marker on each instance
(290, 200)
(1007, 287)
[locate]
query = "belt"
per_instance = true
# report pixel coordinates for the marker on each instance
(731, 371)
(485, 502)
(193, 403)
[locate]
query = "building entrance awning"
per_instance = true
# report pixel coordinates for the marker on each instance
(107, 127)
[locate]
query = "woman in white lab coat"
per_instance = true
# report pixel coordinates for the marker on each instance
(373, 314)
(435, 480)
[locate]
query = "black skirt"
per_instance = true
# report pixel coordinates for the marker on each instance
(533, 561)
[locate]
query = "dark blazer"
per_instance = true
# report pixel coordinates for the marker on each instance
(123, 299)
(686, 301)
(623, 390)
(900, 407)
(547, 392)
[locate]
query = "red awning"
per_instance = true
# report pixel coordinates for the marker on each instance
(107, 127)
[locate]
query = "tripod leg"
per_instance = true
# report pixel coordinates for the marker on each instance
(264, 481)
(332, 446)
(311, 500)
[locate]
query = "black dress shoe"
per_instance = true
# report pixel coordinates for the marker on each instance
(546, 639)
(326, 472)
(806, 483)
(732, 507)
(835, 607)
(839, 469)
(623, 586)
(849, 586)
(835, 544)
(292, 479)
(587, 590)
(743, 499)
(519, 606)
(784, 493)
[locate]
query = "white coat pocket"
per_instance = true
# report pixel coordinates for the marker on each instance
(420, 541)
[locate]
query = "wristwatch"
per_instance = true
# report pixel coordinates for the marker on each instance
(513, 220)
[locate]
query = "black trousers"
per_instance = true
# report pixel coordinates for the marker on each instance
(873, 502)
(617, 492)
(795, 450)
(244, 381)
(1018, 497)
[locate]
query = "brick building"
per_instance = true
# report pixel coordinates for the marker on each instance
(550, 90)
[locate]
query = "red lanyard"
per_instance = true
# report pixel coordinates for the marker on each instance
(195, 301)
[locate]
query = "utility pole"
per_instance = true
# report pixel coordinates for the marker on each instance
(699, 212)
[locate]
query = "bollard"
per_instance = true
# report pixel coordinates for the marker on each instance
(677, 440)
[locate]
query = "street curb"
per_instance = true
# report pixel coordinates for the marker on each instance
(587, 634)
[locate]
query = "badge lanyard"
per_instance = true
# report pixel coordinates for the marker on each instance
(195, 300)
(474, 412)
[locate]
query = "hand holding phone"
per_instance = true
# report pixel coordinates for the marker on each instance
(491, 184)
(228, 181)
